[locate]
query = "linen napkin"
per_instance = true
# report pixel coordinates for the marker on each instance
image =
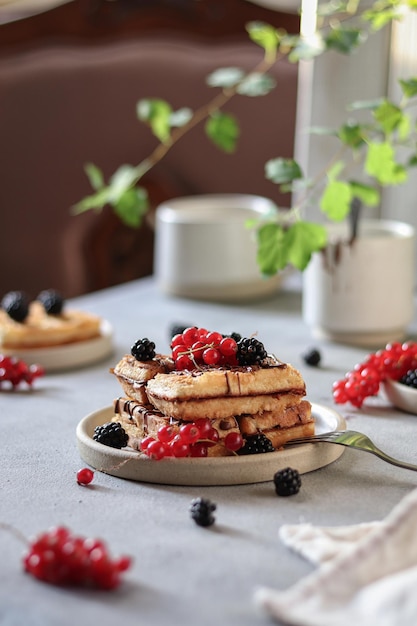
(366, 575)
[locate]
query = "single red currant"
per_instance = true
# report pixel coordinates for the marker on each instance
(211, 356)
(189, 433)
(233, 441)
(85, 476)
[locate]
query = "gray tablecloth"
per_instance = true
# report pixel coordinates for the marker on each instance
(182, 573)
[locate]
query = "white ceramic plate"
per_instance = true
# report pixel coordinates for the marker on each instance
(72, 355)
(230, 470)
(401, 396)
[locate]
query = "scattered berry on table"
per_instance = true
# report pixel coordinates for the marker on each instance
(111, 434)
(287, 482)
(85, 476)
(202, 511)
(16, 371)
(177, 329)
(52, 301)
(59, 558)
(16, 305)
(256, 444)
(143, 350)
(250, 351)
(409, 379)
(312, 357)
(393, 362)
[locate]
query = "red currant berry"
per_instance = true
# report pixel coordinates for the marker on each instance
(184, 363)
(166, 433)
(198, 349)
(233, 441)
(211, 356)
(198, 450)
(189, 433)
(179, 448)
(155, 450)
(179, 350)
(85, 476)
(214, 338)
(177, 340)
(145, 442)
(190, 336)
(228, 346)
(204, 426)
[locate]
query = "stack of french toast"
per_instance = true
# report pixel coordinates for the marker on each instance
(251, 401)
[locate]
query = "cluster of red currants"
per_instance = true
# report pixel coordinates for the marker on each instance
(16, 371)
(364, 380)
(190, 440)
(59, 558)
(197, 346)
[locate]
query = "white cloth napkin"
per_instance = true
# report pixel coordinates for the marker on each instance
(366, 576)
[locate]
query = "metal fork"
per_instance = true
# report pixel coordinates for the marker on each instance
(353, 439)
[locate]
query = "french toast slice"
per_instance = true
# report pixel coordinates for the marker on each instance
(43, 330)
(141, 421)
(220, 392)
(269, 377)
(133, 375)
(293, 415)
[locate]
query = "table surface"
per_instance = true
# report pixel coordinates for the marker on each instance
(181, 573)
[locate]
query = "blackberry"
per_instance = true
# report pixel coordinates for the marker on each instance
(234, 336)
(143, 350)
(202, 511)
(111, 434)
(409, 379)
(250, 351)
(52, 301)
(312, 357)
(177, 329)
(256, 444)
(287, 482)
(16, 305)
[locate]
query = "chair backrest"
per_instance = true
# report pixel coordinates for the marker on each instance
(69, 83)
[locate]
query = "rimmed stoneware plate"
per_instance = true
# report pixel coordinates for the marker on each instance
(72, 355)
(401, 396)
(230, 470)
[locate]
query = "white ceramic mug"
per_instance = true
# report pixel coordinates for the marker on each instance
(204, 249)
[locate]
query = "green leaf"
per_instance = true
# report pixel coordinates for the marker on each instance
(335, 200)
(225, 77)
(388, 116)
(123, 179)
(272, 255)
(378, 17)
(256, 84)
(94, 201)
(279, 247)
(366, 193)
(409, 87)
(302, 239)
(132, 206)
(266, 36)
(412, 161)
(223, 129)
(281, 171)
(343, 39)
(157, 114)
(352, 134)
(95, 176)
(381, 164)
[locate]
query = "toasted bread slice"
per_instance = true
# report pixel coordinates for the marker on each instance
(142, 421)
(293, 415)
(280, 436)
(272, 377)
(42, 330)
(216, 408)
(133, 375)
